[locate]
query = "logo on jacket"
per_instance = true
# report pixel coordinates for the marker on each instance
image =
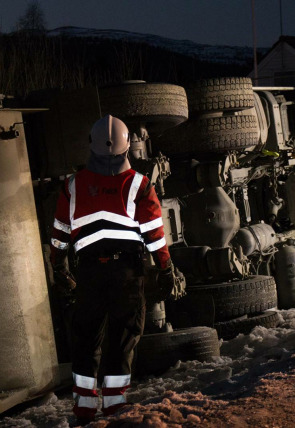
(109, 191)
(93, 190)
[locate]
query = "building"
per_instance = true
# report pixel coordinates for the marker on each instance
(277, 67)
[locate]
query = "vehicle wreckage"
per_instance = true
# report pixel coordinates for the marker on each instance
(221, 154)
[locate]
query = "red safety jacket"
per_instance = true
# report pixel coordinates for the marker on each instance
(105, 214)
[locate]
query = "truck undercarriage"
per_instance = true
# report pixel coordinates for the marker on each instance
(221, 155)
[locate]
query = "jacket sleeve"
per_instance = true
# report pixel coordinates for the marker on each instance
(61, 231)
(149, 216)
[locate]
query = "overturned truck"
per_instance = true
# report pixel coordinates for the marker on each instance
(221, 155)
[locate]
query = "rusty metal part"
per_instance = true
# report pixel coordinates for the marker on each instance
(223, 262)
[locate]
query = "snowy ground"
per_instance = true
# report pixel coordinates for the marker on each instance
(254, 372)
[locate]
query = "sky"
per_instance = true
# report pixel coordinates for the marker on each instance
(213, 22)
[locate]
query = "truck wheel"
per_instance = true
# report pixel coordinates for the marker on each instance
(224, 93)
(229, 329)
(233, 299)
(156, 353)
(223, 133)
(157, 105)
(211, 133)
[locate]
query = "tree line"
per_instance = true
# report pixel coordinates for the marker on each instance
(30, 60)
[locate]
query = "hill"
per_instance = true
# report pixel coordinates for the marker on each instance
(220, 54)
(73, 57)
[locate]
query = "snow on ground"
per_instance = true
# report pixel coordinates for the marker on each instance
(245, 362)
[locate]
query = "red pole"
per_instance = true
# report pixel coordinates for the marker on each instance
(254, 42)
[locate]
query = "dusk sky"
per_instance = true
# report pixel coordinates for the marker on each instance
(222, 22)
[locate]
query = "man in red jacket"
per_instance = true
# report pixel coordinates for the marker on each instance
(110, 214)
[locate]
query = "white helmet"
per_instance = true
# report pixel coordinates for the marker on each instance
(109, 136)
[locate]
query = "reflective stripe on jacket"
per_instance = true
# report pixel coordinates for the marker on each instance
(120, 212)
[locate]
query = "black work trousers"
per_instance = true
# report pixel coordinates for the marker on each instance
(110, 299)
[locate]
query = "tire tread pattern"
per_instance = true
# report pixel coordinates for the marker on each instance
(144, 100)
(158, 352)
(251, 296)
(226, 133)
(225, 93)
(229, 329)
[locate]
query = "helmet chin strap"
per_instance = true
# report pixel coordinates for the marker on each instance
(108, 164)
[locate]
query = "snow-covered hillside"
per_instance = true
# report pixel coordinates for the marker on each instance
(214, 54)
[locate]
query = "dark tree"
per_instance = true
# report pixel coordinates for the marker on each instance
(33, 18)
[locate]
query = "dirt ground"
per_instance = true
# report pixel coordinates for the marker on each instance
(269, 403)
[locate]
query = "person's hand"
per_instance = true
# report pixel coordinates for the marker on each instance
(165, 282)
(63, 277)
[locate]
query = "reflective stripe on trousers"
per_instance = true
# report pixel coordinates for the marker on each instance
(85, 396)
(113, 390)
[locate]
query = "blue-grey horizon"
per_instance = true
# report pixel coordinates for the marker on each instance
(213, 22)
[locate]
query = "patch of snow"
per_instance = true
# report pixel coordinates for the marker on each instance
(243, 361)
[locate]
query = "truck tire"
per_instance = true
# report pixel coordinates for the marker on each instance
(233, 299)
(211, 133)
(230, 132)
(158, 105)
(224, 93)
(229, 329)
(156, 353)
